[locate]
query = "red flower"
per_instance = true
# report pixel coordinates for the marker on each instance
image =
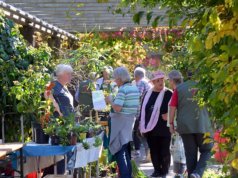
(218, 138)
(50, 86)
(220, 156)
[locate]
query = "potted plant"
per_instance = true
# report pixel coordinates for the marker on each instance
(51, 130)
(97, 142)
(61, 128)
(44, 114)
(80, 131)
(104, 170)
(86, 145)
(113, 168)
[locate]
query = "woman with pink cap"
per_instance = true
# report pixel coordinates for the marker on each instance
(153, 123)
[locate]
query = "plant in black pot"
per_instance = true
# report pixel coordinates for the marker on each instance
(51, 130)
(113, 168)
(104, 170)
(60, 130)
(97, 129)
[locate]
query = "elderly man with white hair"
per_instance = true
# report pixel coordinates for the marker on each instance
(143, 85)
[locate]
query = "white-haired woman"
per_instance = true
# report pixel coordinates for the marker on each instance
(175, 78)
(103, 82)
(63, 102)
(124, 109)
(61, 93)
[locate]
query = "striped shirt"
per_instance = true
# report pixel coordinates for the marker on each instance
(143, 86)
(128, 97)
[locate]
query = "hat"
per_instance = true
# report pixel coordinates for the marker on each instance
(157, 75)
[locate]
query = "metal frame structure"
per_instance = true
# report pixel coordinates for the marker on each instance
(25, 18)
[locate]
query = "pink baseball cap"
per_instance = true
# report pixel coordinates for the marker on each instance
(157, 75)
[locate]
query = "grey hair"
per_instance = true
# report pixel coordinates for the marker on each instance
(139, 72)
(61, 68)
(121, 73)
(176, 76)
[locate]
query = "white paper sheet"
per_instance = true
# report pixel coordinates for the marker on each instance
(98, 100)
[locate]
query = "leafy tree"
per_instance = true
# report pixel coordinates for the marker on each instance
(211, 43)
(24, 73)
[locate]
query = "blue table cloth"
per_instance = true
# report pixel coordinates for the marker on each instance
(46, 150)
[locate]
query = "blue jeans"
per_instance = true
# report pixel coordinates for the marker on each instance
(124, 162)
(192, 144)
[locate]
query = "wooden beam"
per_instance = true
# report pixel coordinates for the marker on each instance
(14, 11)
(58, 1)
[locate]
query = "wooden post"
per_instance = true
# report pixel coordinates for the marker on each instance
(3, 128)
(96, 115)
(55, 43)
(97, 169)
(22, 129)
(91, 115)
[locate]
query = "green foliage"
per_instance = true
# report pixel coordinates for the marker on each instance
(210, 47)
(62, 127)
(86, 145)
(136, 172)
(24, 73)
(97, 50)
(214, 173)
(98, 141)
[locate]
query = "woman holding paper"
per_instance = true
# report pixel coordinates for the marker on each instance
(153, 124)
(124, 109)
(103, 82)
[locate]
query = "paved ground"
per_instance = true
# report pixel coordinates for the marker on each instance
(148, 169)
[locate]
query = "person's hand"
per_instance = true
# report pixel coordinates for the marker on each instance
(47, 94)
(108, 99)
(171, 128)
(58, 109)
(165, 117)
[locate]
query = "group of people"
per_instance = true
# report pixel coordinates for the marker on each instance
(145, 111)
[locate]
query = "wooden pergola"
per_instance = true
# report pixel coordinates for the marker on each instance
(80, 15)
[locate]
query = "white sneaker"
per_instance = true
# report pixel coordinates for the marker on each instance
(137, 153)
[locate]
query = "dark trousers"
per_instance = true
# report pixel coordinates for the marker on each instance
(136, 137)
(160, 153)
(192, 144)
(124, 162)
